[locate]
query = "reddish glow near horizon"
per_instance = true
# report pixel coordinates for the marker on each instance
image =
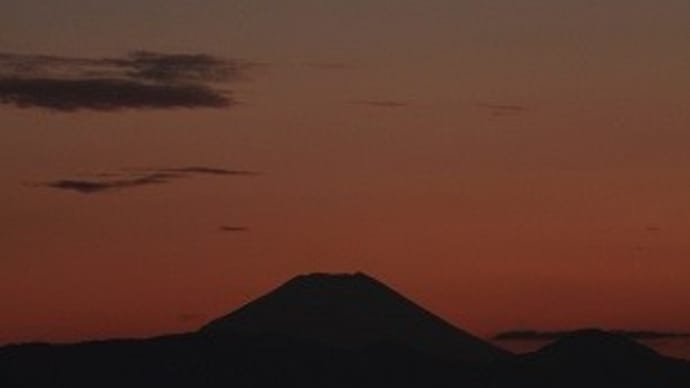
(505, 165)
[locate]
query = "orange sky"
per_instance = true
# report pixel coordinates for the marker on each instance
(506, 165)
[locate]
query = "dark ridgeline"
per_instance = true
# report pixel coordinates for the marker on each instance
(337, 331)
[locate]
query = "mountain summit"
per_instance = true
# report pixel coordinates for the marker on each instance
(352, 311)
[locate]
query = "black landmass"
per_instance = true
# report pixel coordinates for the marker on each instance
(338, 331)
(535, 335)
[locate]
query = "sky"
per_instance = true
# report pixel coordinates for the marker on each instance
(505, 164)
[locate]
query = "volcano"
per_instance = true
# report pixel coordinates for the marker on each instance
(352, 311)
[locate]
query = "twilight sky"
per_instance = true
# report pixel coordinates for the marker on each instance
(506, 164)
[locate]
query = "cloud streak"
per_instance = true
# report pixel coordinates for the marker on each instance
(94, 186)
(138, 178)
(208, 171)
(141, 80)
(106, 95)
(226, 228)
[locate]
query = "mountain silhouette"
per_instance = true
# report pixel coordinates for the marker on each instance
(352, 311)
(593, 358)
(333, 331)
(578, 346)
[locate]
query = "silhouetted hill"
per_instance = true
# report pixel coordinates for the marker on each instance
(611, 348)
(351, 311)
(198, 361)
(592, 358)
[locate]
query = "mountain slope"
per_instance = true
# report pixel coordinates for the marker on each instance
(351, 311)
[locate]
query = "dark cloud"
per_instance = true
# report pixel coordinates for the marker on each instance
(106, 94)
(381, 103)
(500, 110)
(94, 187)
(133, 178)
(182, 67)
(534, 335)
(141, 80)
(208, 170)
(226, 228)
(653, 228)
(80, 186)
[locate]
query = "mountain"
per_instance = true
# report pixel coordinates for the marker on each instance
(592, 358)
(352, 311)
(316, 330)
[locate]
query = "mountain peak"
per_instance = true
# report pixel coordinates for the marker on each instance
(597, 343)
(333, 285)
(320, 277)
(351, 310)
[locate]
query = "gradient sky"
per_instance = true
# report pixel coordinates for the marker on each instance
(505, 164)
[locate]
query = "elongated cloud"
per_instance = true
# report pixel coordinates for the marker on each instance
(227, 228)
(108, 182)
(208, 170)
(141, 80)
(106, 94)
(98, 186)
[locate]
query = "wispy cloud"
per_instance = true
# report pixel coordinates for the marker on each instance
(141, 80)
(500, 110)
(381, 103)
(208, 170)
(107, 182)
(99, 186)
(535, 335)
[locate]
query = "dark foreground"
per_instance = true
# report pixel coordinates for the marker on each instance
(337, 331)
